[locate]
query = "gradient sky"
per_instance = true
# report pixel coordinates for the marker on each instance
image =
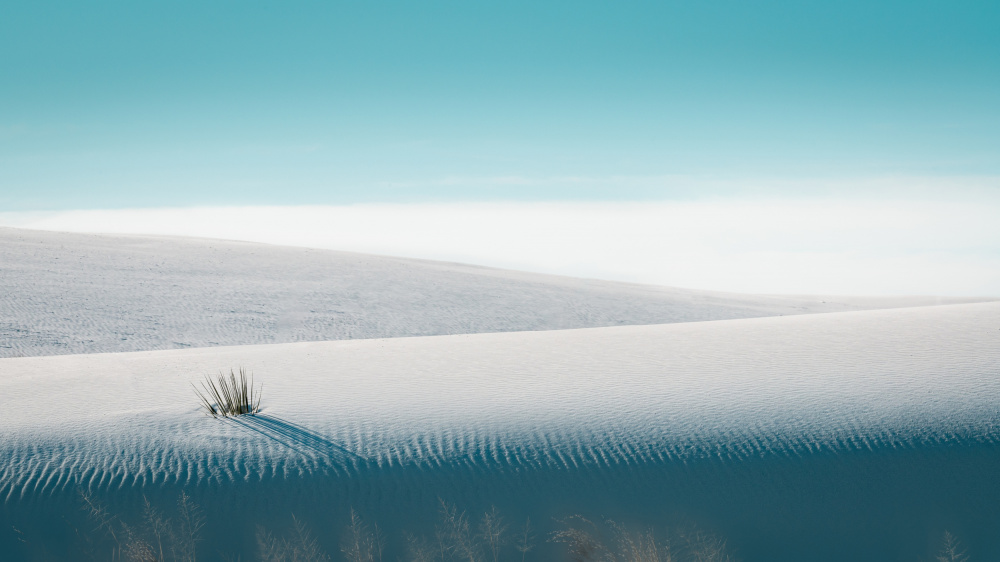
(149, 104)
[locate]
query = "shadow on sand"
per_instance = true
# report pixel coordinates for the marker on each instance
(295, 437)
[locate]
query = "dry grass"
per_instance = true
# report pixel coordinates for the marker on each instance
(300, 547)
(614, 542)
(229, 396)
(361, 544)
(156, 538)
(951, 550)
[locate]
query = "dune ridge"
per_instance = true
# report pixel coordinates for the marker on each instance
(66, 293)
(727, 389)
(694, 416)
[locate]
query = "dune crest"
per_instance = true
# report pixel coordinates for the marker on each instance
(68, 293)
(850, 408)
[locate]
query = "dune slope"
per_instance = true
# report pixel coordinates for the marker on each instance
(857, 435)
(66, 293)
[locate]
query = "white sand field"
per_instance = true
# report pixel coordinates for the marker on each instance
(79, 293)
(391, 385)
(858, 435)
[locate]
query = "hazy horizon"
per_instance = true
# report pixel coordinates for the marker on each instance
(808, 246)
(121, 112)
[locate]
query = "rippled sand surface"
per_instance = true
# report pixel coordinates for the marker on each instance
(855, 435)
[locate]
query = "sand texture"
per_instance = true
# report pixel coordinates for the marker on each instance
(75, 293)
(856, 435)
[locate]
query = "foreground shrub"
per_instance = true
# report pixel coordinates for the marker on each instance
(232, 396)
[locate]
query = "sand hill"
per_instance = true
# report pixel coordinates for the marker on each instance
(75, 293)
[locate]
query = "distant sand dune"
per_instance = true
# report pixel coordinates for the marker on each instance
(76, 293)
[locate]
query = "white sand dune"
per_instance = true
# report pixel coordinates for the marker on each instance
(66, 293)
(791, 436)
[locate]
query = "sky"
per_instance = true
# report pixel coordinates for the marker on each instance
(450, 105)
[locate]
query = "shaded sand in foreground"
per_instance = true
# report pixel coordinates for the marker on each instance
(857, 435)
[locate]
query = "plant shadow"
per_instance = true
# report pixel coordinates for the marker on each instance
(295, 436)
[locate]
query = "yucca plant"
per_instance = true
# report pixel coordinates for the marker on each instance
(229, 396)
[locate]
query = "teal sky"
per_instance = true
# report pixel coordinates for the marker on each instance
(147, 104)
